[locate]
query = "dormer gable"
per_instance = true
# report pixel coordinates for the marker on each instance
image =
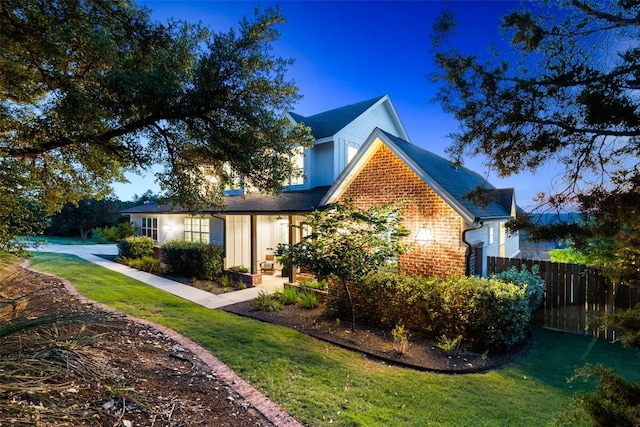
(375, 112)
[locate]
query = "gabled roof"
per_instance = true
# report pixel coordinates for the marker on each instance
(285, 202)
(329, 123)
(449, 181)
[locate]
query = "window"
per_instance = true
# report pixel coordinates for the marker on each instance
(491, 238)
(503, 238)
(196, 230)
(297, 161)
(235, 181)
(149, 228)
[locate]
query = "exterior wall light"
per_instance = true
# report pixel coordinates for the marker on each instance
(424, 236)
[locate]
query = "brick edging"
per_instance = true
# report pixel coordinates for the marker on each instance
(271, 411)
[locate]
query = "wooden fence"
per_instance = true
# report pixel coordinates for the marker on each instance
(576, 296)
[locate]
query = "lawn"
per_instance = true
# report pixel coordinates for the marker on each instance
(61, 240)
(323, 385)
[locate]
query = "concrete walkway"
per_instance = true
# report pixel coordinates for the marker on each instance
(206, 299)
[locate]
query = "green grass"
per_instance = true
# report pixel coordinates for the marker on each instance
(59, 240)
(323, 385)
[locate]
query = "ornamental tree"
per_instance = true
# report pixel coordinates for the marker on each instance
(90, 89)
(348, 242)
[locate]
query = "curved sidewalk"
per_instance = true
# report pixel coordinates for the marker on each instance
(206, 299)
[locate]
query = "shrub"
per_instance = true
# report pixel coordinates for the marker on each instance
(614, 402)
(239, 269)
(488, 313)
(135, 247)
(531, 281)
(191, 259)
(266, 302)
(146, 263)
(385, 298)
(313, 284)
(289, 295)
(400, 338)
(116, 232)
(307, 299)
(449, 345)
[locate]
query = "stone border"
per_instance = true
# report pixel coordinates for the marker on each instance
(270, 410)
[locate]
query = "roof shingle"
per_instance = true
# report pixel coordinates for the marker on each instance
(328, 123)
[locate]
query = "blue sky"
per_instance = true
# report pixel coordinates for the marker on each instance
(349, 51)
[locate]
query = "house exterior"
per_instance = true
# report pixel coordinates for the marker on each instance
(362, 152)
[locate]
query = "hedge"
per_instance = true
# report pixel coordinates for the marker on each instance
(488, 313)
(191, 259)
(135, 247)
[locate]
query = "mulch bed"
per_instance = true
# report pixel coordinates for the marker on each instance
(377, 343)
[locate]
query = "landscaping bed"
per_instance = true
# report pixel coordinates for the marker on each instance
(378, 343)
(111, 371)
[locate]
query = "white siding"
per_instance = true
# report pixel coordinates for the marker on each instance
(379, 117)
(324, 158)
(170, 227)
(238, 240)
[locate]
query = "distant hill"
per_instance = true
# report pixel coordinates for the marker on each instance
(555, 218)
(540, 250)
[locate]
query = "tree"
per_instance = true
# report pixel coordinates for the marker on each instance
(84, 216)
(348, 242)
(567, 91)
(569, 95)
(90, 89)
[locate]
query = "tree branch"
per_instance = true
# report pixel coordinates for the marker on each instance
(617, 20)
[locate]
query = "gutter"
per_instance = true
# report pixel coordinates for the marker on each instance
(467, 254)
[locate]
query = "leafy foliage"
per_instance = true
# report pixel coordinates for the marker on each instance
(627, 322)
(488, 313)
(308, 299)
(348, 242)
(530, 281)
(568, 95)
(93, 89)
(266, 302)
(146, 263)
(192, 259)
(85, 215)
(115, 232)
(135, 247)
(567, 256)
(615, 402)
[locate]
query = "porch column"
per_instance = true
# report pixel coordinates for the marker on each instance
(292, 236)
(253, 243)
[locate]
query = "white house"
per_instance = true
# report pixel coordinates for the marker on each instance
(348, 145)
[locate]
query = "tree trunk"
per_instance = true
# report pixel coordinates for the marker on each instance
(353, 313)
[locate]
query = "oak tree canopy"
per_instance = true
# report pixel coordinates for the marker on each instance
(90, 89)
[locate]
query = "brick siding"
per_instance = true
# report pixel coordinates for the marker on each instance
(386, 179)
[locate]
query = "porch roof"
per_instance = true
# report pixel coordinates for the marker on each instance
(285, 202)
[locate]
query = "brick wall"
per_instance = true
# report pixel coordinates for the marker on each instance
(386, 179)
